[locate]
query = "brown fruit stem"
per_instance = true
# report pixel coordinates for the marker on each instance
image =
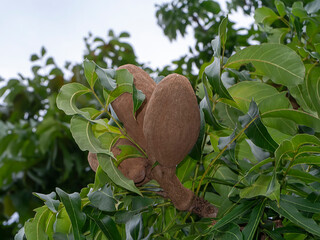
(182, 198)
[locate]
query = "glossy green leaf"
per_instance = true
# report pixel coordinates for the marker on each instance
(302, 175)
(290, 212)
(313, 6)
(266, 96)
(250, 229)
(230, 232)
(280, 7)
(128, 151)
(50, 200)
(229, 153)
(107, 226)
(134, 228)
(81, 130)
(235, 213)
(255, 130)
(72, 203)
(298, 10)
(138, 97)
(101, 178)
(297, 116)
(307, 160)
(212, 73)
(265, 15)
(124, 83)
(302, 204)
(216, 46)
(205, 106)
(185, 169)
(20, 234)
(103, 199)
(312, 83)
(276, 61)
(260, 187)
(89, 72)
(36, 227)
(63, 222)
(106, 163)
(66, 99)
(222, 31)
(107, 78)
(196, 151)
(211, 6)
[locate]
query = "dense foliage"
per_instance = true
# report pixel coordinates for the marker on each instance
(256, 158)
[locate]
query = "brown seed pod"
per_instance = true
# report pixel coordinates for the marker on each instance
(123, 105)
(132, 168)
(93, 161)
(172, 121)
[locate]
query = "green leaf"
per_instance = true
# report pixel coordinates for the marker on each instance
(62, 223)
(49, 61)
(211, 6)
(223, 31)
(205, 106)
(229, 153)
(265, 15)
(280, 7)
(216, 46)
(103, 199)
(185, 169)
(312, 83)
(235, 213)
(107, 78)
(266, 96)
(20, 234)
(304, 176)
(228, 232)
(89, 72)
(213, 74)
(297, 116)
(34, 57)
(298, 10)
(307, 160)
(301, 204)
(276, 61)
(106, 163)
(49, 200)
(107, 226)
(134, 228)
(101, 178)
(290, 212)
(260, 188)
(254, 219)
(124, 81)
(81, 130)
(313, 7)
(35, 228)
(138, 97)
(72, 203)
(66, 99)
(255, 130)
(196, 151)
(128, 151)
(43, 51)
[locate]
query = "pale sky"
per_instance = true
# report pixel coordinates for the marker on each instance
(61, 25)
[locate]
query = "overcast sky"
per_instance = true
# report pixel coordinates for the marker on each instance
(59, 25)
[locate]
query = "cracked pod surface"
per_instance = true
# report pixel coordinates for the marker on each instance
(172, 121)
(123, 105)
